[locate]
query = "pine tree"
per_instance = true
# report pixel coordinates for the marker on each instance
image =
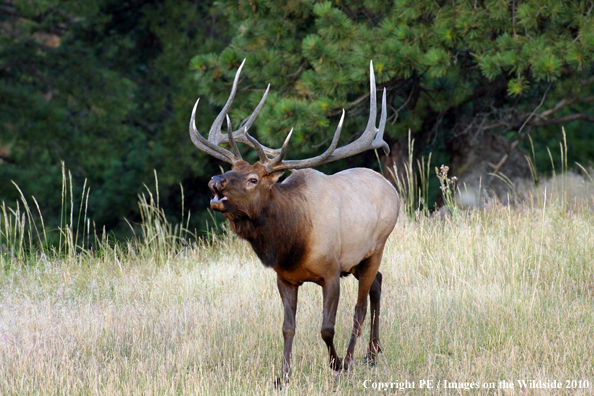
(103, 86)
(454, 70)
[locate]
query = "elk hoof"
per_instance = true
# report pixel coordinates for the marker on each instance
(336, 364)
(348, 364)
(278, 383)
(371, 357)
(342, 365)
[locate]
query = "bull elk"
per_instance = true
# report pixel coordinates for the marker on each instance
(311, 227)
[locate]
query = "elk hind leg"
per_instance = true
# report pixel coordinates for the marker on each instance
(375, 294)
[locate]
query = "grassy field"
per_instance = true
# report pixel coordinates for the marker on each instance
(472, 298)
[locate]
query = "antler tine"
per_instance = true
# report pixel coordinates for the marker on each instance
(371, 138)
(231, 140)
(334, 144)
(205, 145)
(215, 133)
(379, 138)
(372, 102)
(258, 147)
(250, 121)
(216, 137)
(315, 161)
(240, 135)
(278, 159)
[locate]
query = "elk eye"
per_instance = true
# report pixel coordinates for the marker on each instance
(253, 180)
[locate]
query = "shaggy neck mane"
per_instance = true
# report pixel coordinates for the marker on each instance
(279, 230)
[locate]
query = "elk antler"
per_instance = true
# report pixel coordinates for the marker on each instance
(371, 138)
(273, 160)
(216, 137)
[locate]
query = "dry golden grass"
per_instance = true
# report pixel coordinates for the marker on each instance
(502, 293)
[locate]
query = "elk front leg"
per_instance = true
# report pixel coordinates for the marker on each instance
(366, 273)
(331, 291)
(288, 294)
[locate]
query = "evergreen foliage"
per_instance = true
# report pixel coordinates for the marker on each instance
(107, 86)
(446, 65)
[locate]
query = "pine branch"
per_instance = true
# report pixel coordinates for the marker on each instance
(390, 85)
(561, 120)
(350, 105)
(566, 102)
(536, 109)
(542, 121)
(541, 118)
(297, 72)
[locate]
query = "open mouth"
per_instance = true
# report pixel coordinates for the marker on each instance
(218, 196)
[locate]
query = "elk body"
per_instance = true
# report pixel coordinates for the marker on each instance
(311, 227)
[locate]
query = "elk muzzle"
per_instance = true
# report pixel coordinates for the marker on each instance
(217, 186)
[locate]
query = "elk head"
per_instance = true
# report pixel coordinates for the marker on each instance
(246, 188)
(243, 190)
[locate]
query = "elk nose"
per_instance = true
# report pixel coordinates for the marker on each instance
(218, 181)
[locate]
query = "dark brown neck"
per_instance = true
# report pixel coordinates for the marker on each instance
(278, 234)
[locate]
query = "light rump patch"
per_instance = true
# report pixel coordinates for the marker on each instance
(311, 227)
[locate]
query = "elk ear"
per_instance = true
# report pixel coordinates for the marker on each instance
(274, 176)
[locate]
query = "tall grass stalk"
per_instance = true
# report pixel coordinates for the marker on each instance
(504, 292)
(24, 236)
(413, 183)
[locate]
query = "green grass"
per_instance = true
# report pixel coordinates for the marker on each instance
(501, 293)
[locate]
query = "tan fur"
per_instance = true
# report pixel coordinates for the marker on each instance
(352, 213)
